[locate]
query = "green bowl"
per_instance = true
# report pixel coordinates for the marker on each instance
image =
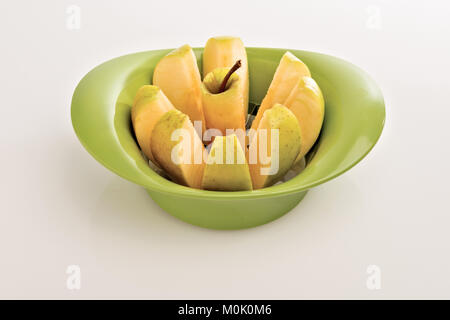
(354, 119)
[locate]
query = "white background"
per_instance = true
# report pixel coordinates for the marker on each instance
(60, 207)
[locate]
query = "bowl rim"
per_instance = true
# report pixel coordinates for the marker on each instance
(159, 184)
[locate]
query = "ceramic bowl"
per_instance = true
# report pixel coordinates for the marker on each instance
(354, 119)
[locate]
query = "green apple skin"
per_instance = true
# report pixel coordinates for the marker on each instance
(223, 176)
(289, 143)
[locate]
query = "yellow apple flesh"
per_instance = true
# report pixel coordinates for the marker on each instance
(287, 75)
(149, 105)
(178, 76)
(306, 102)
(223, 52)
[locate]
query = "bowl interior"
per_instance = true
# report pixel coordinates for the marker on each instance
(354, 117)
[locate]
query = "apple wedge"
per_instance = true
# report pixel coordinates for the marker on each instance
(274, 146)
(178, 76)
(226, 168)
(223, 52)
(223, 101)
(307, 104)
(287, 75)
(178, 149)
(149, 105)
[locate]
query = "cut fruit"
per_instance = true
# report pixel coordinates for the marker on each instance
(270, 158)
(149, 105)
(226, 168)
(287, 75)
(306, 102)
(179, 152)
(223, 110)
(223, 52)
(178, 76)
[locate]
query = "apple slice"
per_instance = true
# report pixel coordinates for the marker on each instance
(178, 76)
(223, 100)
(287, 74)
(149, 105)
(226, 167)
(307, 104)
(223, 52)
(273, 146)
(178, 149)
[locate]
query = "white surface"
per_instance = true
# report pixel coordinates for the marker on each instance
(60, 207)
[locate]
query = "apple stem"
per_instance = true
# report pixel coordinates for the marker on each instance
(236, 66)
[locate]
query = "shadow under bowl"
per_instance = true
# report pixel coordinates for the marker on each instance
(354, 119)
